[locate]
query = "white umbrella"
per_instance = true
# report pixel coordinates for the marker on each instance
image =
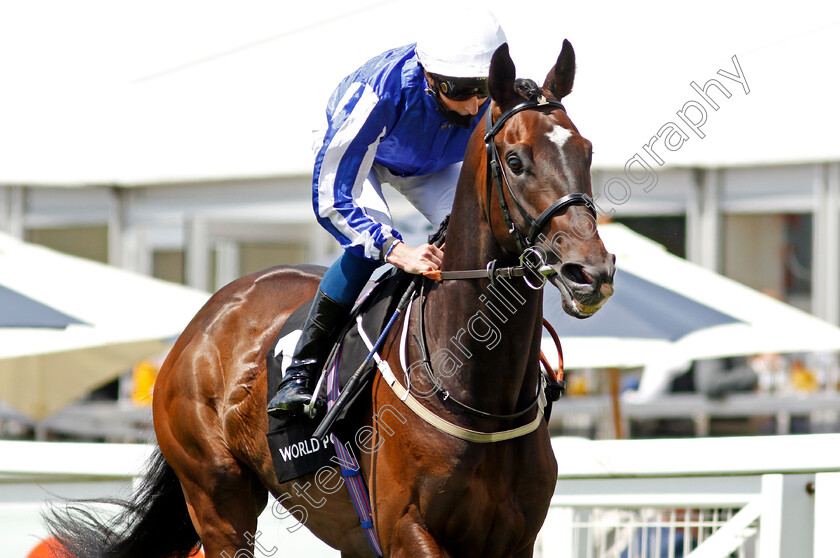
(667, 311)
(68, 324)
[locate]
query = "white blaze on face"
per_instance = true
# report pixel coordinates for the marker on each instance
(559, 135)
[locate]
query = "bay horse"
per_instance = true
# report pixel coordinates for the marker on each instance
(433, 494)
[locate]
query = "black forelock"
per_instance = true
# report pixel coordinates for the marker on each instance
(527, 88)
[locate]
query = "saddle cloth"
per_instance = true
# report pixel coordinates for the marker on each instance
(294, 452)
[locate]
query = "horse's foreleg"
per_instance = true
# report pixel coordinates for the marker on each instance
(410, 539)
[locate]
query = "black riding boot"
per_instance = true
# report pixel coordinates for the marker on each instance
(325, 321)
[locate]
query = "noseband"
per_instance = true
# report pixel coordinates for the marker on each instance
(497, 176)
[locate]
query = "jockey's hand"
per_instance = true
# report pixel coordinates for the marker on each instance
(425, 257)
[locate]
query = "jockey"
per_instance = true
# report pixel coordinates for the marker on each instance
(404, 118)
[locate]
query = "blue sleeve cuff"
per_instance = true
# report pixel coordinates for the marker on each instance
(389, 246)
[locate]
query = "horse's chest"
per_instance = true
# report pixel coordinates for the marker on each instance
(497, 504)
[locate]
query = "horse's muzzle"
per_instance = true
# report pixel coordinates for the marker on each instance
(585, 287)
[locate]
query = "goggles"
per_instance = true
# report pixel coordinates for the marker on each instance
(461, 89)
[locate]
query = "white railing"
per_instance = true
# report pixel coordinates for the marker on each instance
(653, 531)
(594, 413)
(34, 473)
(757, 497)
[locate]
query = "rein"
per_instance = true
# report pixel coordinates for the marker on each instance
(427, 367)
(404, 394)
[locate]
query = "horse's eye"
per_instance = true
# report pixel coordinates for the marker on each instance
(515, 164)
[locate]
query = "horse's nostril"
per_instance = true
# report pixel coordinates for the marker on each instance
(575, 274)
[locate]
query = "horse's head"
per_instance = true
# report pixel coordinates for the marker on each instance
(539, 204)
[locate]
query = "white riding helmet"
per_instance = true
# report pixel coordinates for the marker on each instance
(460, 45)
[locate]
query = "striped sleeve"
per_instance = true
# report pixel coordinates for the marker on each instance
(358, 123)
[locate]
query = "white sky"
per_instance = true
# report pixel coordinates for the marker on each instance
(139, 92)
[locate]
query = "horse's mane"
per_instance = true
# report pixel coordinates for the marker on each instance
(527, 89)
(439, 237)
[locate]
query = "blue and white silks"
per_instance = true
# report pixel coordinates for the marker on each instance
(382, 127)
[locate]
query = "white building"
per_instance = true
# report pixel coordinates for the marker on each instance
(174, 139)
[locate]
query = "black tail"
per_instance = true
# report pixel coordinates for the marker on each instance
(154, 523)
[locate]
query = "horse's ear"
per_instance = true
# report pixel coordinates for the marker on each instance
(502, 76)
(561, 78)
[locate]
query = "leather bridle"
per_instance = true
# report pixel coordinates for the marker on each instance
(496, 176)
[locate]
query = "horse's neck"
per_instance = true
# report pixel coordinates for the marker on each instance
(492, 329)
(492, 332)
(470, 243)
